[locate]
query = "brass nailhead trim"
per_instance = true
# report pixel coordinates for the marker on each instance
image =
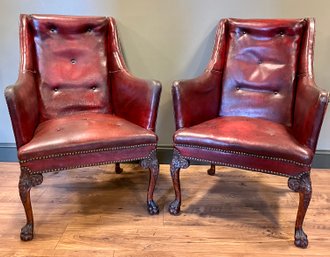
(86, 165)
(246, 154)
(84, 152)
(247, 168)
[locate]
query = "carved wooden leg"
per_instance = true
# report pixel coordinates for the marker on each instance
(152, 163)
(118, 169)
(211, 170)
(304, 187)
(177, 163)
(26, 182)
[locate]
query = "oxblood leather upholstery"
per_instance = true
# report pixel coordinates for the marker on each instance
(255, 107)
(60, 138)
(229, 138)
(75, 104)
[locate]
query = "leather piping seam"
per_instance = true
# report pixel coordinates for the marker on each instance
(246, 154)
(302, 74)
(215, 71)
(84, 152)
(31, 71)
(247, 168)
(115, 71)
(85, 165)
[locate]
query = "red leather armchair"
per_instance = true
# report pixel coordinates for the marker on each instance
(256, 106)
(76, 105)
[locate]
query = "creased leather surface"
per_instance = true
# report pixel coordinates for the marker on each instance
(81, 132)
(311, 101)
(196, 100)
(72, 68)
(246, 135)
(310, 108)
(22, 97)
(135, 99)
(22, 101)
(259, 75)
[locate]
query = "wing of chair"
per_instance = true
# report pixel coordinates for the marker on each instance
(256, 106)
(76, 105)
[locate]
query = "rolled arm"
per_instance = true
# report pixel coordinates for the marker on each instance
(22, 102)
(196, 100)
(310, 108)
(135, 99)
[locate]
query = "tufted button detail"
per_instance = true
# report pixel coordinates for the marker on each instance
(73, 61)
(55, 89)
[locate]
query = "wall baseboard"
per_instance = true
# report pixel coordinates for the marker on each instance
(8, 154)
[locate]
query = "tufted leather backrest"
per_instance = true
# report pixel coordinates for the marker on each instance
(71, 64)
(260, 69)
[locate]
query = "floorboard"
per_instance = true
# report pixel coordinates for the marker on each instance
(95, 212)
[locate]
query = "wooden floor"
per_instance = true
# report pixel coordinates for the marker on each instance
(95, 212)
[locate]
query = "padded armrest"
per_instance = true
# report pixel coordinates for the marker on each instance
(22, 103)
(310, 108)
(135, 99)
(196, 100)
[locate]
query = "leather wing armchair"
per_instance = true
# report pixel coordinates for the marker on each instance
(76, 105)
(256, 106)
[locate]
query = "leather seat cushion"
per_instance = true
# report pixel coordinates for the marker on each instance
(85, 132)
(245, 135)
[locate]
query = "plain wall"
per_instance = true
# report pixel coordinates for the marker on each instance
(164, 40)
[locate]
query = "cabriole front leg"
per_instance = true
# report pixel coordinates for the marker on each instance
(302, 185)
(152, 164)
(26, 182)
(177, 163)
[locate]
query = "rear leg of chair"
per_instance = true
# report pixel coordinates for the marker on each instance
(152, 164)
(302, 185)
(26, 182)
(211, 170)
(118, 170)
(177, 163)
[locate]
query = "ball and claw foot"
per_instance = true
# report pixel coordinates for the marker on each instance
(174, 207)
(300, 239)
(152, 208)
(27, 232)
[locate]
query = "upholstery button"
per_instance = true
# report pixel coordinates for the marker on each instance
(73, 61)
